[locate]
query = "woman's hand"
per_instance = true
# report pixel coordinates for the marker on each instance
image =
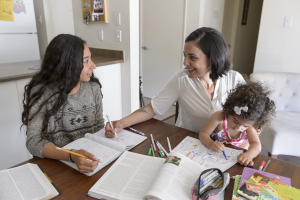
(245, 159)
(83, 164)
(216, 146)
(109, 132)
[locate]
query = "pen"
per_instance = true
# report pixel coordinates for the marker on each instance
(223, 150)
(161, 155)
(262, 164)
(149, 151)
(112, 126)
(208, 183)
(163, 149)
(219, 183)
(209, 177)
(206, 174)
(71, 152)
(152, 142)
(169, 144)
(152, 151)
(266, 165)
(135, 130)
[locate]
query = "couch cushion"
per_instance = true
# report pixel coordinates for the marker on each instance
(285, 89)
(283, 135)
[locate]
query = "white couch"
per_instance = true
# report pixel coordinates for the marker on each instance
(283, 135)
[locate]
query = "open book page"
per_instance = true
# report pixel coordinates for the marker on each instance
(126, 139)
(175, 179)
(102, 152)
(25, 182)
(196, 151)
(129, 178)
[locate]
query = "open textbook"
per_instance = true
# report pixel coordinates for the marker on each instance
(134, 177)
(104, 148)
(26, 182)
(196, 151)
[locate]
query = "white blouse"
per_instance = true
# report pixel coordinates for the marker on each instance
(195, 105)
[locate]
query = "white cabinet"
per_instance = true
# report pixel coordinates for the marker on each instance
(12, 140)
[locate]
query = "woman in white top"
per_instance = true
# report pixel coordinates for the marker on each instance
(200, 88)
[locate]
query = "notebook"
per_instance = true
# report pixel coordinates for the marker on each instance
(104, 148)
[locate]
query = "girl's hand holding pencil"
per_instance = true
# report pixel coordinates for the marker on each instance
(85, 161)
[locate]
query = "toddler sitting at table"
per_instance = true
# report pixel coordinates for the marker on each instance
(247, 108)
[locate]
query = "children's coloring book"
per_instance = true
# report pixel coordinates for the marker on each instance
(261, 187)
(135, 176)
(104, 148)
(248, 172)
(196, 151)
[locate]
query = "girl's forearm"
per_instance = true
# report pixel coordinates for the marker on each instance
(254, 149)
(205, 139)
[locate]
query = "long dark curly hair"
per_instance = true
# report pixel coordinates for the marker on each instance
(255, 96)
(62, 63)
(213, 45)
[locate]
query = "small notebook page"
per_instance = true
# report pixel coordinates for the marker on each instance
(196, 151)
(126, 139)
(102, 152)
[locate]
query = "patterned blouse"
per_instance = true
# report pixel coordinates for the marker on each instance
(224, 135)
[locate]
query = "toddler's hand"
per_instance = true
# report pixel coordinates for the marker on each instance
(217, 146)
(245, 159)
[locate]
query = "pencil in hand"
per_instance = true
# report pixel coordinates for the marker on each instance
(71, 152)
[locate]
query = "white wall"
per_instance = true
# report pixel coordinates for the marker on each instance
(41, 26)
(278, 47)
(111, 90)
(129, 69)
(58, 17)
(209, 20)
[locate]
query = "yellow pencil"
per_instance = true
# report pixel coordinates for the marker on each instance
(219, 183)
(71, 152)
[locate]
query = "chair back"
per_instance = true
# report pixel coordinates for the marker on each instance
(285, 89)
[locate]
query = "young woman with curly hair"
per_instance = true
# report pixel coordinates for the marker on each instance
(246, 110)
(63, 101)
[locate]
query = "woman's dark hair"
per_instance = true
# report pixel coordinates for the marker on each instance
(256, 97)
(213, 45)
(62, 64)
(248, 192)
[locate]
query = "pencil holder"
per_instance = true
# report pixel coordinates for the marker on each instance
(210, 189)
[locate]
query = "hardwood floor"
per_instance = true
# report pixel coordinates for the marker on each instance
(169, 118)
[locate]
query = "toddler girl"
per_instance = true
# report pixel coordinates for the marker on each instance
(247, 108)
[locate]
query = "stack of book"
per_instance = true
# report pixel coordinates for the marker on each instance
(259, 185)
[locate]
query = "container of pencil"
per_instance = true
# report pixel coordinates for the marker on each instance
(210, 184)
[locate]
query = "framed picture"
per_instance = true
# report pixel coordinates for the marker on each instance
(245, 12)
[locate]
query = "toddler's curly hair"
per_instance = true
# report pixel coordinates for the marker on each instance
(256, 97)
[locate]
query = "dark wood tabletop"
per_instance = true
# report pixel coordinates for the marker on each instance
(74, 185)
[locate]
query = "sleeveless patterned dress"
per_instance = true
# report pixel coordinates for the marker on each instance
(224, 135)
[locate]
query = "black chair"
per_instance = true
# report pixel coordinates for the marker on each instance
(177, 111)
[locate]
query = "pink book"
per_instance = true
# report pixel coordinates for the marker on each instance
(248, 172)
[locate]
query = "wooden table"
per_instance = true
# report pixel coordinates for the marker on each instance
(74, 185)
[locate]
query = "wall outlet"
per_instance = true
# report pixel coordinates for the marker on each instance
(119, 36)
(40, 19)
(216, 14)
(288, 22)
(118, 19)
(100, 34)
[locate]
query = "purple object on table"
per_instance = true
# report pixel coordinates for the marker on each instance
(135, 130)
(248, 172)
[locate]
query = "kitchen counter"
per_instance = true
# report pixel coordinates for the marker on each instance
(26, 69)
